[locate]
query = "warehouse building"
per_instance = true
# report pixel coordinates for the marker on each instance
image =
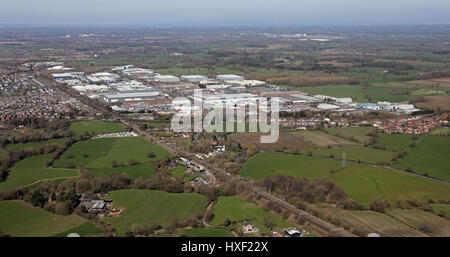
(131, 96)
(224, 78)
(193, 78)
(166, 78)
(71, 75)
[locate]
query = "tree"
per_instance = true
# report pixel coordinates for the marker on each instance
(379, 205)
(37, 199)
(114, 164)
(269, 222)
(62, 208)
(150, 154)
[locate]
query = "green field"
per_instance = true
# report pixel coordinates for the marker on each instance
(85, 229)
(95, 127)
(2, 153)
(321, 139)
(360, 182)
(390, 94)
(21, 146)
(357, 153)
(270, 164)
(440, 131)
(359, 133)
(354, 91)
(445, 208)
(18, 218)
(179, 172)
(431, 154)
(394, 142)
(239, 210)
(142, 206)
(206, 232)
(100, 152)
(144, 170)
(31, 169)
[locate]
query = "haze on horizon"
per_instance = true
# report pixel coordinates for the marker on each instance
(225, 13)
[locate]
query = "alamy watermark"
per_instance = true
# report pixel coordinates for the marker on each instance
(235, 115)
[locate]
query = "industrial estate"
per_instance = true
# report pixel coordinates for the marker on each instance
(87, 147)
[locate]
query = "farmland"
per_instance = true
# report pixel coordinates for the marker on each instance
(18, 218)
(354, 91)
(98, 153)
(285, 141)
(442, 208)
(95, 127)
(239, 210)
(135, 171)
(394, 142)
(321, 139)
(420, 220)
(358, 133)
(31, 169)
(366, 222)
(360, 182)
(142, 206)
(358, 153)
(440, 131)
(429, 156)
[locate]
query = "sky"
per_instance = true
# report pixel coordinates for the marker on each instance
(225, 13)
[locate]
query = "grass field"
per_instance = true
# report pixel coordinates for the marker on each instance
(371, 222)
(142, 206)
(431, 155)
(30, 170)
(84, 230)
(357, 153)
(285, 141)
(206, 232)
(100, 152)
(418, 219)
(354, 91)
(239, 210)
(2, 153)
(95, 127)
(394, 142)
(440, 131)
(390, 94)
(144, 170)
(321, 139)
(360, 182)
(359, 133)
(445, 208)
(18, 218)
(21, 146)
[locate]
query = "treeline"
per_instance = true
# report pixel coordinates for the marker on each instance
(26, 138)
(301, 192)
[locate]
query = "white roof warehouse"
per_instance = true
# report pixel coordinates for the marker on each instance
(132, 96)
